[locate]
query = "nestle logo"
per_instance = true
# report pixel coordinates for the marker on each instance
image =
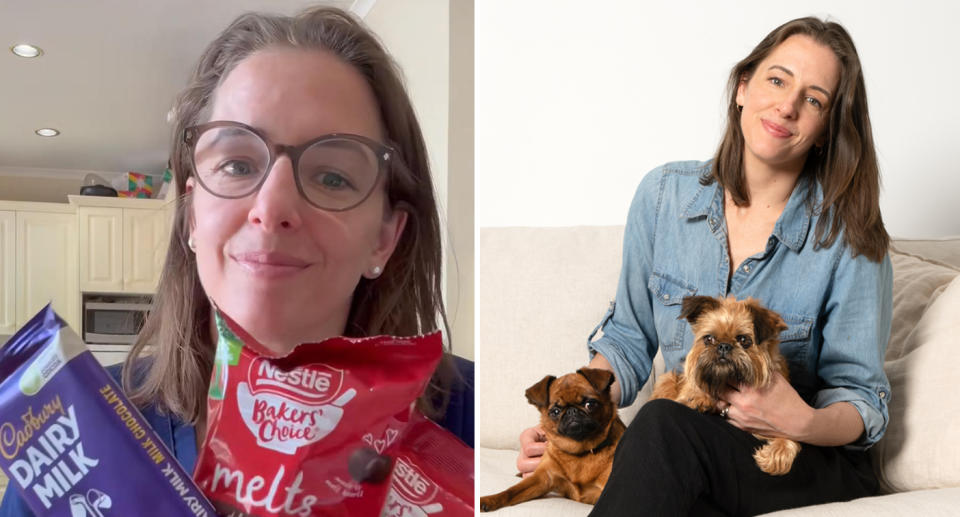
(313, 383)
(411, 482)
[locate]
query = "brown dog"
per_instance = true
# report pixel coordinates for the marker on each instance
(582, 429)
(735, 342)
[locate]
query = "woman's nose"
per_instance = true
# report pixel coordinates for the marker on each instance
(789, 104)
(277, 204)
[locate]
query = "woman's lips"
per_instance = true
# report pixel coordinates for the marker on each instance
(775, 129)
(270, 264)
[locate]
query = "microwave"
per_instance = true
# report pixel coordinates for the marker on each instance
(114, 319)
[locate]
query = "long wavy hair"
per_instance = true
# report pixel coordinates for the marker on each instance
(405, 300)
(846, 166)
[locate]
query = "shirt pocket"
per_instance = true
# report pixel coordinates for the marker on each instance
(795, 346)
(668, 293)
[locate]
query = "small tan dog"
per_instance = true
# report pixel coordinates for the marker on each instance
(735, 342)
(582, 428)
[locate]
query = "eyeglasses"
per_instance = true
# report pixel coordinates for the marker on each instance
(333, 172)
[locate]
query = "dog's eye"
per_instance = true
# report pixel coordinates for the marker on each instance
(555, 411)
(744, 341)
(591, 405)
(709, 340)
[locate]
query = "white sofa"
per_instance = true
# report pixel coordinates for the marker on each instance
(543, 289)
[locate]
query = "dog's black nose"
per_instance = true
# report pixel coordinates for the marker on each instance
(724, 348)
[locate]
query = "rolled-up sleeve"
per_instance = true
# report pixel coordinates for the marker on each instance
(629, 340)
(856, 331)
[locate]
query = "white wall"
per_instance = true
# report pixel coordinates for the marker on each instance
(419, 35)
(576, 101)
(460, 181)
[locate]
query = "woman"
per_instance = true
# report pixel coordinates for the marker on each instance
(786, 212)
(291, 252)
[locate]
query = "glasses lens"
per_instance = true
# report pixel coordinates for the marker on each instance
(230, 160)
(338, 173)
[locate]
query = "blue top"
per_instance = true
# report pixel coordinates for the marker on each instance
(838, 307)
(181, 438)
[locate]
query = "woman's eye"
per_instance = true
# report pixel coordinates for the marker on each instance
(815, 102)
(744, 341)
(776, 81)
(709, 340)
(236, 168)
(332, 181)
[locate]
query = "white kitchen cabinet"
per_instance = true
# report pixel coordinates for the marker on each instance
(8, 272)
(122, 250)
(143, 236)
(47, 269)
(50, 252)
(101, 250)
(165, 221)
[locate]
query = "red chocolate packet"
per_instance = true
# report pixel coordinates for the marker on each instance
(432, 474)
(281, 431)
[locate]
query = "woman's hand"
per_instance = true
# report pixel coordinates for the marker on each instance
(533, 443)
(776, 410)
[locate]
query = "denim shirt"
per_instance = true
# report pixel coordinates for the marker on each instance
(837, 307)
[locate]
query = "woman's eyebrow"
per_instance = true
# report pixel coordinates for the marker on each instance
(790, 73)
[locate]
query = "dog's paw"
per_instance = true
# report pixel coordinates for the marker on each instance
(776, 457)
(488, 504)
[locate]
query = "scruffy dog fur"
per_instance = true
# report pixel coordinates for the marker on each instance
(582, 428)
(735, 342)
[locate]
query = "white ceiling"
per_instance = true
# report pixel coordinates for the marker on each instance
(108, 77)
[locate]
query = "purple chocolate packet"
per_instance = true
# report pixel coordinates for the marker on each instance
(72, 443)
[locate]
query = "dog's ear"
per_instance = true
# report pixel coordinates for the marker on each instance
(599, 378)
(539, 393)
(694, 306)
(766, 323)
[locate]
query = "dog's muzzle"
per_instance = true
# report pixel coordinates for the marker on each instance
(576, 424)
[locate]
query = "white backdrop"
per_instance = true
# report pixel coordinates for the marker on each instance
(576, 101)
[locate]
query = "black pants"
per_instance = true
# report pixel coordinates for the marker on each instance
(674, 461)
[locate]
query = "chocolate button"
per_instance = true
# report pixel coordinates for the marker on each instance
(367, 466)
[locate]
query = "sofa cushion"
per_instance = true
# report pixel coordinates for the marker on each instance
(922, 443)
(544, 289)
(494, 473)
(917, 282)
(541, 291)
(943, 502)
(945, 251)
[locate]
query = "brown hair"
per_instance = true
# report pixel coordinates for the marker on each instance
(846, 166)
(405, 300)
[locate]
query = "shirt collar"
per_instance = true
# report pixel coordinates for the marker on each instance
(792, 226)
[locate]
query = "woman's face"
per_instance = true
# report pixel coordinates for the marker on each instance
(281, 268)
(786, 103)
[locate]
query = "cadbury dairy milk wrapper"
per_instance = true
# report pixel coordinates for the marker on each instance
(72, 443)
(281, 431)
(432, 474)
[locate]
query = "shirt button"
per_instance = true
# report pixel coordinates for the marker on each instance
(746, 269)
(666, 296)
(713, 222)
(883, 394)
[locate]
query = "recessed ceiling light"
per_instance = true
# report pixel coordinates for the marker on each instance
(26, 50)
(47, 131)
